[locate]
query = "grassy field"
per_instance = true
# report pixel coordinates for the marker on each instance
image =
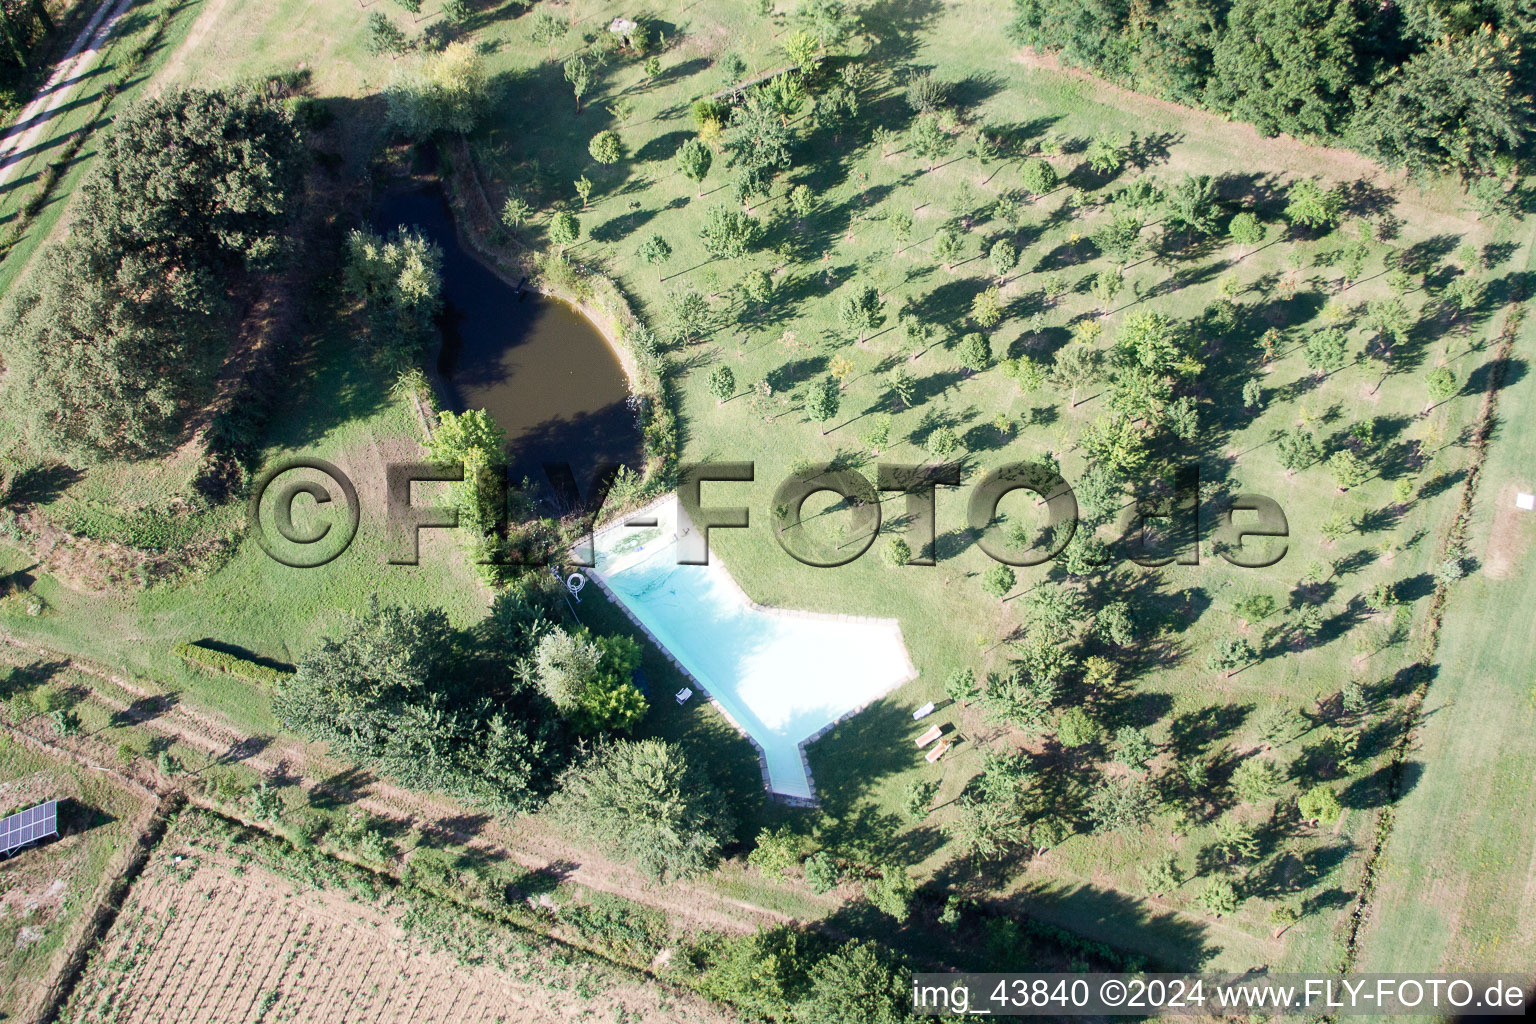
(861, 181)
(48, 892)
(1457, 887)
(1088, 883)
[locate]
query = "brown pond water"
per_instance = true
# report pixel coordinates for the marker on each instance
(542, 370)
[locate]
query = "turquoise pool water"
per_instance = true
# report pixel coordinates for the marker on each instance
(781, 676)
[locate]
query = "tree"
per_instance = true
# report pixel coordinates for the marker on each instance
(1231, 653)
(803, 50)
(975, 352)
(1218, 897)
(447, 92)
(897, 552)
(1253, 394)
(784, 95)
(987, 307)
(655, 251)
(583, 186)
(827, 20)
(1121, 803)
(918, 797)
(690, 315)
(722, 383)
(606, 148)
(385, 693)
(1297, 449)
(1441, 384)
(590, 680)
(1192, 204)
(891, 891)
(1309, 205)
(1326, 350)
(1255, 779)
(1133, 747)
(515, 212)
(1319, 804)
(399, 281)
(859, 310)
(1234, 841)
(1106, 285)
(929, 140)
(1003, 257)
(1076, 728)
(118, 331)
(1161, 876)
(802, 200)
(823, 400)
(903, 387)
(694, 159)
(548, 29)
(960, 685)
(1246, 230)
(942, 443)
(987, 830)
(1029, 374)
(1037, 177)
(947, 248)
(998, 580)
(1120, 240)
(729, 233)
(1456, 105)
(384, 36)
(644, 803)
(1075, 365)
(926, 94)
(471, 440)
(579, 71)
(1348, 469)
(858, 981)
(777, 851)
(564, 229)
(1105, 154)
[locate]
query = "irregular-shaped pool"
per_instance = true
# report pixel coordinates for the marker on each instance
(782, 677)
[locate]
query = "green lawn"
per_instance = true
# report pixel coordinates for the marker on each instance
(1456, 888)
(1088, 883)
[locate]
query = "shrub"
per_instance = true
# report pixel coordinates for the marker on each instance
(606, 148)
(1319, 804)
(222, 661)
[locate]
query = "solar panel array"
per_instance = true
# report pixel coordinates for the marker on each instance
(29, 826)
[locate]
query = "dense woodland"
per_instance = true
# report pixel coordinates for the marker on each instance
(1424, 84)
(25, 27)
(122, 325)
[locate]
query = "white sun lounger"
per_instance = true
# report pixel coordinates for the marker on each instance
(938, 752)
(683, 695)
(923, 712)
(929, 736)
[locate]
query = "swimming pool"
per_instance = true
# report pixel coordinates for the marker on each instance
(782, 677)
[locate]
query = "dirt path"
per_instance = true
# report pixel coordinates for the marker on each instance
(527, 842)
(33, 121)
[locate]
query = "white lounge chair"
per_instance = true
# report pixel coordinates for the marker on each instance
(683, 695)
(938, 752)
(923, 712)
(929, 736)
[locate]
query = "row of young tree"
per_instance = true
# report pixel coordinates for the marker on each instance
(122, 324)
(1420, 84)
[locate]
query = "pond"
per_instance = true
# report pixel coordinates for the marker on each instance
(541, 369)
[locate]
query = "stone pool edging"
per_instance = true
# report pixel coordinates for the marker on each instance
(797, 613)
